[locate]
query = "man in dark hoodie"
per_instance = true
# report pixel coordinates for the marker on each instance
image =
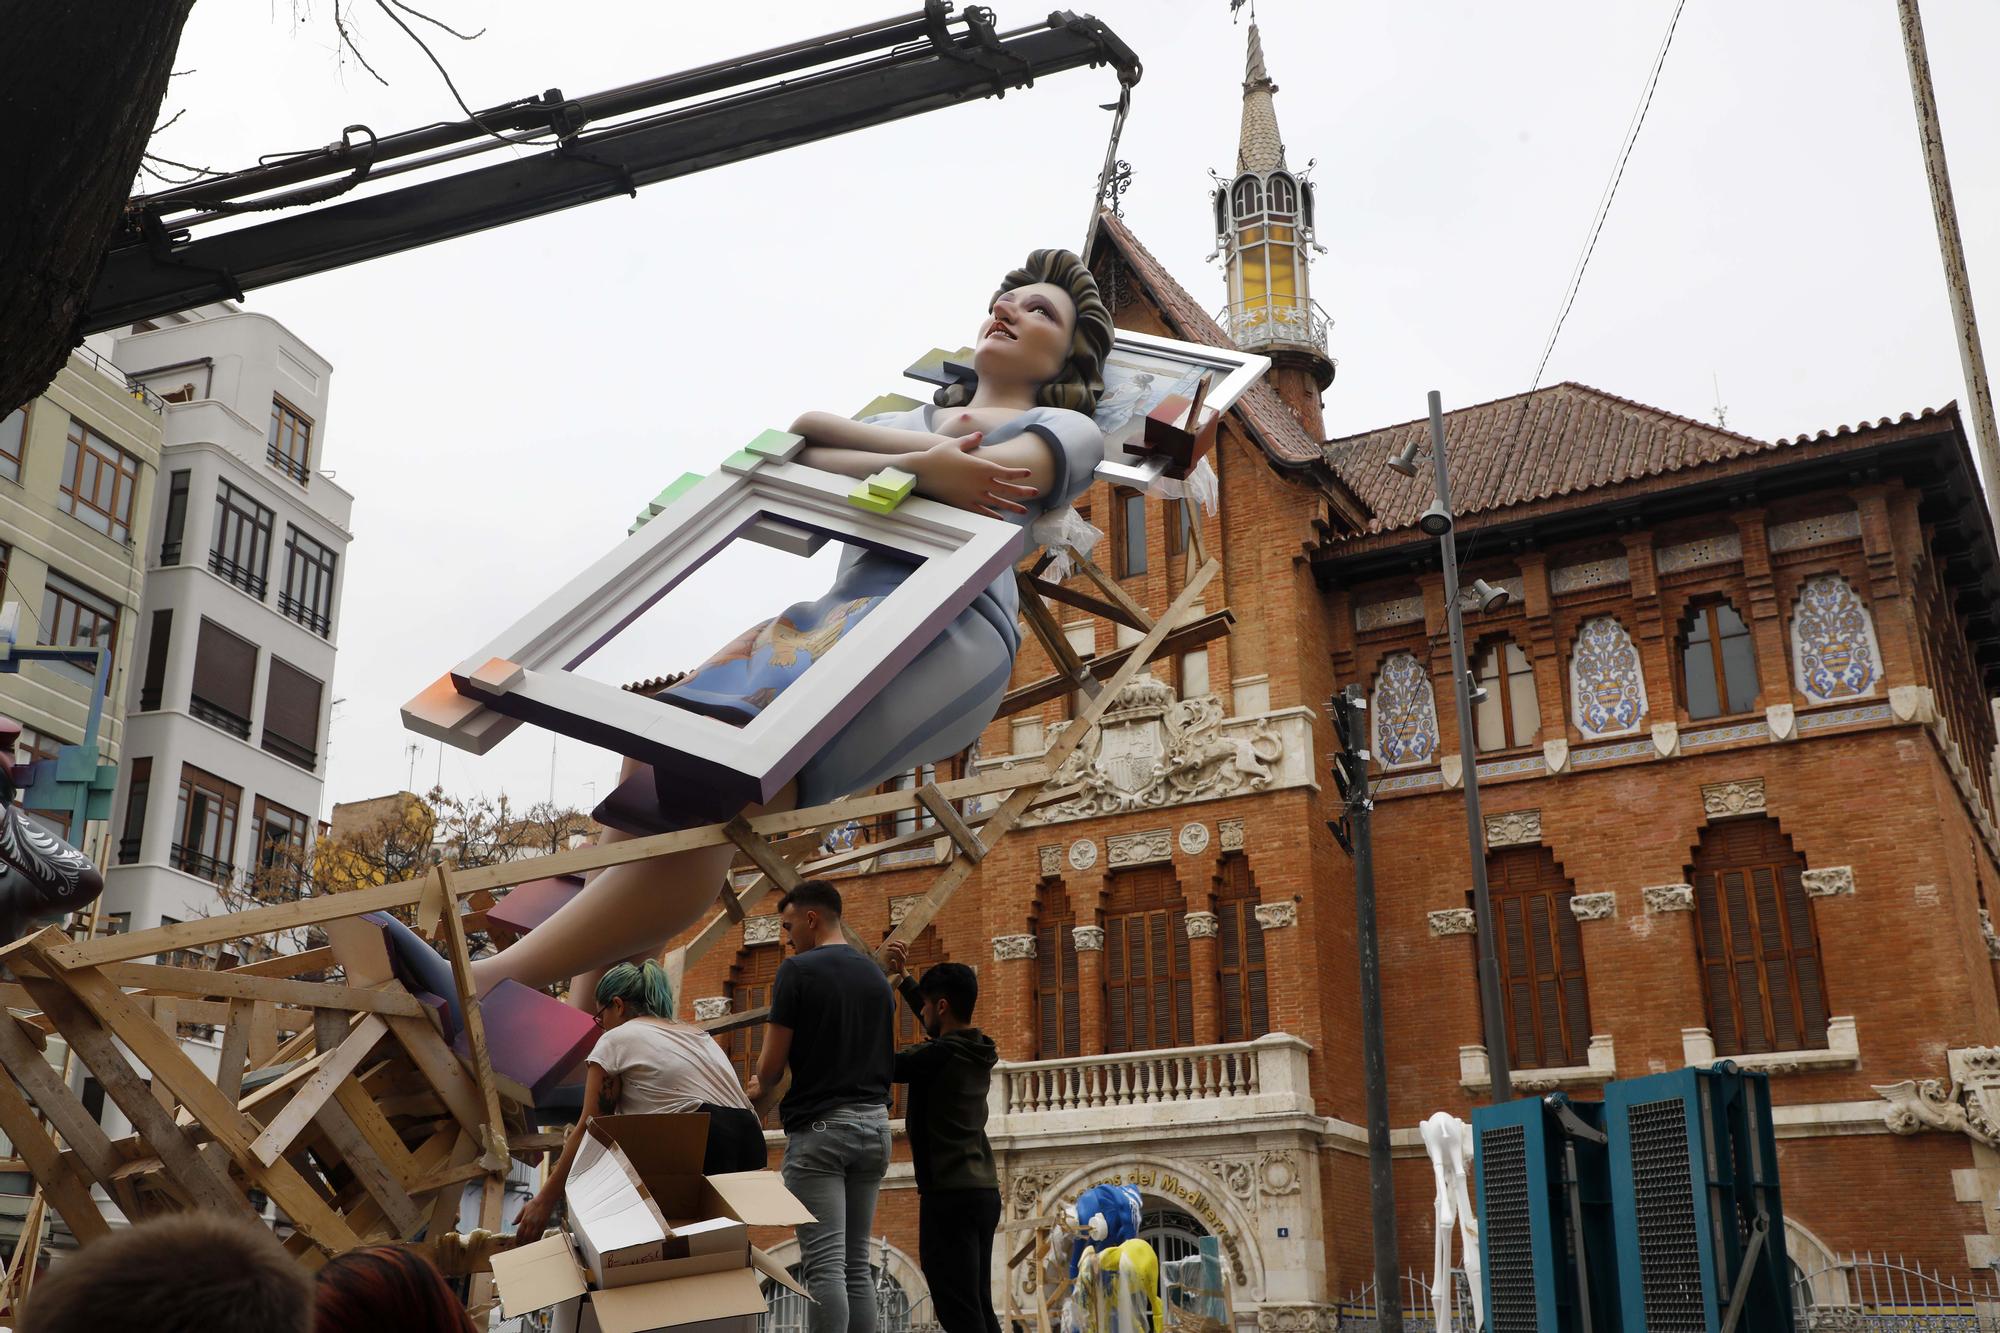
(958, 1193)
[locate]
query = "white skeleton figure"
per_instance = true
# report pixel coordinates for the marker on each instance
(1449, 1142)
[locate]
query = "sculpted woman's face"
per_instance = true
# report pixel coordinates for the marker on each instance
(1025, 337)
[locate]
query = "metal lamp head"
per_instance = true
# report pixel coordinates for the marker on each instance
(1488, 597)
(1478, 691)
(1435, 521)
(1405, 459)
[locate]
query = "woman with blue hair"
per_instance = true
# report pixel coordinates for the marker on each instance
(648, 1062)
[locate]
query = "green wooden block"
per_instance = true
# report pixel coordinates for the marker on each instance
(681, 485)
(892, 484)
(778, 444)
(863, 498)
(742, 462)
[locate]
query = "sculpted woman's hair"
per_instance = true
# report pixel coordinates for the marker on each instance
(1081, 379)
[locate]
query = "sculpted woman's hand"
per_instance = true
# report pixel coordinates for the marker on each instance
(953, 473)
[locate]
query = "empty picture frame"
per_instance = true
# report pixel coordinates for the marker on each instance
(526, 673)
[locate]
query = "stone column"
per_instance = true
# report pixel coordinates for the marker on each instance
(1202, 929)
(1090, 986)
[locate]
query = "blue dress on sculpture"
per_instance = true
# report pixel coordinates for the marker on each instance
(933, 709)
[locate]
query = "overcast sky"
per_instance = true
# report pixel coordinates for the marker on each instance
(502, 405)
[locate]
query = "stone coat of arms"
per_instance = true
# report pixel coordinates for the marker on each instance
(1153, 748)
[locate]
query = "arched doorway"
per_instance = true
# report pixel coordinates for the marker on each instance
(1172, 1232)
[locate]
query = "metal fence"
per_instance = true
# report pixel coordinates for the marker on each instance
(1871, 1293)
(1420, 1315)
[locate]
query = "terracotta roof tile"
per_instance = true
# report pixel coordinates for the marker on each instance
(1552, 442)
(1274, 424)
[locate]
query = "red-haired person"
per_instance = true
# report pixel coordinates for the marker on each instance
(384, 1287)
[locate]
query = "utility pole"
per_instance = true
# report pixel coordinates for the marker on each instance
(1958, 284)
(1349, 711)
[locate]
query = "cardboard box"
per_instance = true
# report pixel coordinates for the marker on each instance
(651, 1242)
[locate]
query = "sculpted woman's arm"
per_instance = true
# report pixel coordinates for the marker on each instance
(825, 428)
(992, 480)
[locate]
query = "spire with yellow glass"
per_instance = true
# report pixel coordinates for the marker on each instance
(1263, 224)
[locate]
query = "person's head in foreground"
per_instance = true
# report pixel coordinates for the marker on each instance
(386, 1287)
(627, 992)
(190, 1273)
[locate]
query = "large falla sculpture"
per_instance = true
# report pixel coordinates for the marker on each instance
(41, 876)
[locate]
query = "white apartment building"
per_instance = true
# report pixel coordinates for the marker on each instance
(231, 691)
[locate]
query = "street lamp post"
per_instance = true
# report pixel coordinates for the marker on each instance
(1437, 521)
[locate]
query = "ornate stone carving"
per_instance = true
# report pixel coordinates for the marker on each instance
(1051, 859)
(1607, 687)
(1153, 749)
(1986, 933)
(1828, 882)
(1593, 906)
(1276, 916)
(1082, 854)
(1088, 939)
(1194, 839)
(1013, 948)
(900, 907)
(1591, 574)
(1782, 721)
(1969, 1104)
(1668, 897)
(1722, 800)
(1026, 1191)
(1834, 653)
(1278, 1173)
(1237, 1176)
(1819, 531)
(1517, 828)
(1397, 611)
(1913, 703)
(1202, 925)
(1454, 921)
(1138, 849)
(1230, 833)
(761, 930)
(1296, 1319)
(1703, 551)
(710, 1007)
(1405, 712)
(1666, 739)
(1555, 754)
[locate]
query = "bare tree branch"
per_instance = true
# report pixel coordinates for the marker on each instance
(347, 40)
(437, 22)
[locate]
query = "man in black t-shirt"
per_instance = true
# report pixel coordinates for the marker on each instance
(833, 1022)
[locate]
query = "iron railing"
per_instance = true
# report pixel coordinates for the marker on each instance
(139, 391)
(211, 868)
(217, 716)
(1420, 1313)
(238, 574)
(1873, 1293)
(295, 468)
(1287, 321)
(311, 617)
(290, 751)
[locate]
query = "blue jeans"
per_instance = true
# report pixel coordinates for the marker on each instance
(835, 1166)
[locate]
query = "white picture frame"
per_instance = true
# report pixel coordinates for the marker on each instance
(527, 672)
(1140, 371)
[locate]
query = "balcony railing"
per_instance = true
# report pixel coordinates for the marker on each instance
(311, 617)
(240, 575)
(295, 468)
(218, 716)
(1275, 321)
(213, 869)
(1266, 1076)
(290, 751)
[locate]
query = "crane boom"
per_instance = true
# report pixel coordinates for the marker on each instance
(174, 253)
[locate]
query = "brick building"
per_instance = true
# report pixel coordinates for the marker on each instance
(1738, 783)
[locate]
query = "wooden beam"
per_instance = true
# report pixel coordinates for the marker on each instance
(440, 1065)
(1195, 633)
(1111, 588)
(191, 981)
(946, 815)
(775, 867)
(58, 1105)
(288, 964)
(1083, 601)
(1053, 641)
(55, 1175)
(318, 1089)
(376, 1178)
(460, 955)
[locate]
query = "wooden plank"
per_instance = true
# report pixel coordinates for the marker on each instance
(373, 1125)
(445, 1207)
(128, 1092)
(749, 1018)
(1053, 641)
(195, 982)
(1083, 601)
(58, 1104)
(263, 1047)
(368, 1168)
(946, 815)
(438, 1063)
(460, 957)
(314, 1092)
(287, 964)
(1195, 633)
(170, 1064)
(775, 867)
(923, 911)
(480, 1297)
(235, 1056)
(55, 1175)
(1111, 588)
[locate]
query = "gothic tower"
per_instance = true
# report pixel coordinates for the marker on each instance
(1264, 231)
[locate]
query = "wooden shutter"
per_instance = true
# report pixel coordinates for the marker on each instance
(1242, 985)
(1149, 982)
(291, 706)
(1759, 952)
(225, 670)
(1540, 953)
(1058, 1023)
(750, 988)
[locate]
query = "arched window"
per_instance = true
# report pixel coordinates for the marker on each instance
(750, 988)
(1243, 987)
(1540, 952)
(1510, 714)
(1760, 960)
(1284, 195)
(1718, 663)
(1148, 987)
(1058, 1017)
(1248, 198)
